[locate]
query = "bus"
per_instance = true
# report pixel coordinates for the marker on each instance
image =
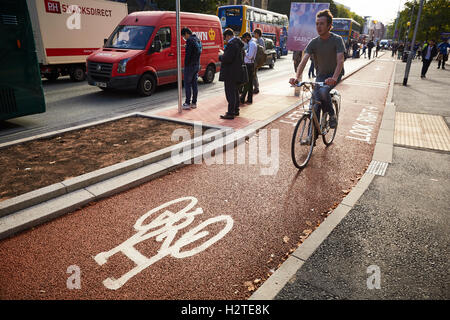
(347, 28)
(21, 90)
(244, 18)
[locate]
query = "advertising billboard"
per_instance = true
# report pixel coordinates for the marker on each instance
(302, 24)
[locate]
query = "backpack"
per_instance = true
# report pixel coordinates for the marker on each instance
(261, 56)
(198, 45)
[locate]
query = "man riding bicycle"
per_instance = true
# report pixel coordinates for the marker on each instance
(327, 51)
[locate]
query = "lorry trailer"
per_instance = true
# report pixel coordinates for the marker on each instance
(66, 32)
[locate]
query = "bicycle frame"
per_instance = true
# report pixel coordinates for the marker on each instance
(314, 117)
(313, 104)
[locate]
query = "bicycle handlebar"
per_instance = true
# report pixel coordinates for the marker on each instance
(300, 84)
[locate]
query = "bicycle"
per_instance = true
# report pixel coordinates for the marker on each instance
(308, 126)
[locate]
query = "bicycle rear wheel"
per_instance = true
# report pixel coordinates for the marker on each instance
(300, 151)
(328, 133)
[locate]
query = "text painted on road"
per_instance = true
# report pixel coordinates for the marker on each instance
(165, 228)
(293, 117)
(364, 125)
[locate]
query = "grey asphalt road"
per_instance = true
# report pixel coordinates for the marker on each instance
(69, 103)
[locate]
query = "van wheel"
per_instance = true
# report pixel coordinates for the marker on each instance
(147, 85)
(77, 74)
(209, 74)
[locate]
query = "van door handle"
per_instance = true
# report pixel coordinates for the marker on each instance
(171, 54)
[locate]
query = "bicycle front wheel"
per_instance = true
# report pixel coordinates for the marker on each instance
(328, 133)
(302, 143)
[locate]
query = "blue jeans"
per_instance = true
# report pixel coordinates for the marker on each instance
(322, 94)
(190, 83)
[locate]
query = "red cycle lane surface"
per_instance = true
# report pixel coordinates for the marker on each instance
(252, 220)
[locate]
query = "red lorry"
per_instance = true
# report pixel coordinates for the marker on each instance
(141, 53)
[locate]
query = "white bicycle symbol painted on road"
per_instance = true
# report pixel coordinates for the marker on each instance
(165, 228)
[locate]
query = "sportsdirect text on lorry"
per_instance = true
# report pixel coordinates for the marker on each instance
(141, 53)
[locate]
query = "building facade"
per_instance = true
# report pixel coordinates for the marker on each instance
(374, 29)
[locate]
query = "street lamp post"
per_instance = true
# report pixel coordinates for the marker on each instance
(408, 64)
(410, 21)
(178, 33)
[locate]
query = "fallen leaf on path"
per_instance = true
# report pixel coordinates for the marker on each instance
(249, 285)
(285, 239)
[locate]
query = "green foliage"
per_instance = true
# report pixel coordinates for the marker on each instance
(284, 6)
(342, 12)
(435, 18)
(198, 6)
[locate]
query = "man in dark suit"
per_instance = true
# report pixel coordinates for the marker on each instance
(428, 53)
(370, 45)
(230, 71)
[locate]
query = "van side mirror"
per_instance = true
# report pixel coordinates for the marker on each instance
(104, 41)
(155, 47)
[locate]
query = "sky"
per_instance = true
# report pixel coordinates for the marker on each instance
(383, 10)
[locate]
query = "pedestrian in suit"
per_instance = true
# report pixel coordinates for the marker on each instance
(230, 71)
(428, 53)
(370, 45)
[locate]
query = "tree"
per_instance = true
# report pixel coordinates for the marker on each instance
(435, 18)
(284, 6)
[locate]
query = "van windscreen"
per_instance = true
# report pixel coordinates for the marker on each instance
(130, 37)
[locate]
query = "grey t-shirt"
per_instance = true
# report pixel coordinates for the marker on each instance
(324, 53)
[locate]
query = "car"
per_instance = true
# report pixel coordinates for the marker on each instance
(270, 52)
